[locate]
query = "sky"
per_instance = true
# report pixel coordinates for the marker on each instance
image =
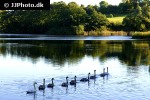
(91, 2)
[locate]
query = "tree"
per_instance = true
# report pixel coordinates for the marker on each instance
(146, 11)
(139, 20)
(125, 1)
(103, 4)
(94, 19)
(66, 18)
(103, 7)
(77, 14)
(22, 21)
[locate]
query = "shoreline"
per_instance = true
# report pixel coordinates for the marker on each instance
(134, 35)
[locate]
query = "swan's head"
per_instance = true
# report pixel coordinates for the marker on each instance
(104, 69)
(52, 79)
(67, 77)
(35, 83)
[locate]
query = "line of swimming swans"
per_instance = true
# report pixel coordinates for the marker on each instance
(65, 84)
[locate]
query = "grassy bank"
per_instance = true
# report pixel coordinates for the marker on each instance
(141, 35)
(135, 35)
(116, 19)
(106, 33)
(116, 23)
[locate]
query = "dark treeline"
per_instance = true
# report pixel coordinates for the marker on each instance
(72, 19)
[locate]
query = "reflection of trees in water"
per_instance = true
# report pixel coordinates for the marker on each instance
(58, 52)
(136, 53)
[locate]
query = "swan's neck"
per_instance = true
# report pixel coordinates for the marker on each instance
(104, 70)
(34, 87)
(107, 69)
(44, 82)
(75, 79)
(67, 80)
(52, 82)
(94, 73)
(88, 76)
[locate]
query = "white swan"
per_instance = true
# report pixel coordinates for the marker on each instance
(32, 91)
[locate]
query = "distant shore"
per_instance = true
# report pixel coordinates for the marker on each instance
(134, 35)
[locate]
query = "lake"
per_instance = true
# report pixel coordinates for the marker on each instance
(28, 58)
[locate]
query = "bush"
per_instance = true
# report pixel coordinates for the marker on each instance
(79, 30)
(60, 31)
(138, 21)
(134, 23)
(110, 16)
(116, 26)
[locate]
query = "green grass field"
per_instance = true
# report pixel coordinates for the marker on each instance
(116, 19)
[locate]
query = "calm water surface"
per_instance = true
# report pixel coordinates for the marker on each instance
(28, 58)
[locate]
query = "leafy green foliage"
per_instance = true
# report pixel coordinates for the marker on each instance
(139, 20)
(22, 22)
(94, 19)
(72, 19)
(62, 18)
